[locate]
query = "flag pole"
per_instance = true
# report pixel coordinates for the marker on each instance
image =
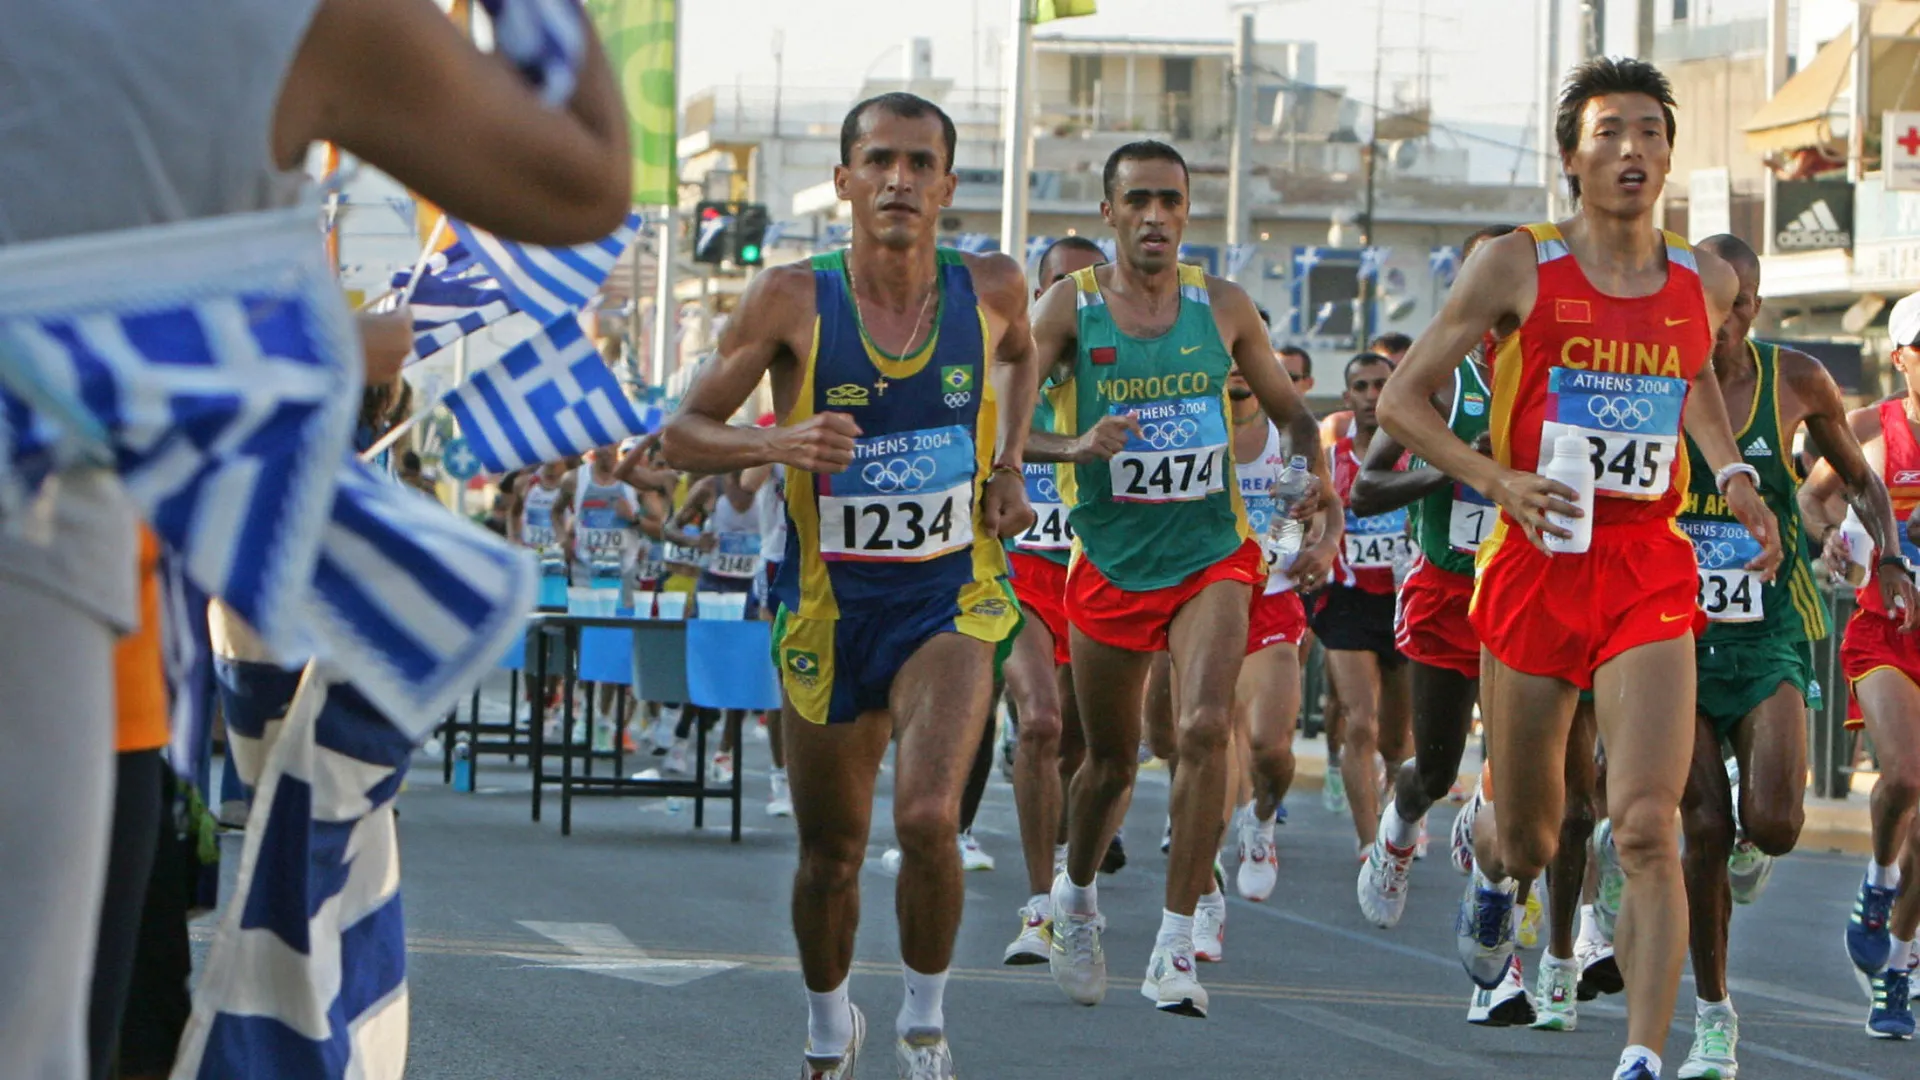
(399, 431)
(420, 264)
(1018, 120)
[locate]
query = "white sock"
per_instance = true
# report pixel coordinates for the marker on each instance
(1701, 1006)
(829, 1022)
(1634, 1054)
(1900, 956)
(1176, 931)
(1883, 877)
(1215, 898)
(1082, 899)
(1590, 926)
(1042, 904)
(1400, 832)
(1566, 963)
(922, 1007)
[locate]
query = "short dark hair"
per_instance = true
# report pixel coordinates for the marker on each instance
(1600, 76)
(1481, 236)
(410, 461)
(1737, 252)
(1306, 359)
(1067, 243)
(1393, 341)
(898, 103)
(1140, 150)
(1361, 361)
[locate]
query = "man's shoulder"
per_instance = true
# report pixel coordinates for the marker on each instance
(998, 280)
(784, 289)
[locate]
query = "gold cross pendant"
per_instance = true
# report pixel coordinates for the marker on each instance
(880, 386)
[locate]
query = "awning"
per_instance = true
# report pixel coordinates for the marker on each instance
(1801, 114)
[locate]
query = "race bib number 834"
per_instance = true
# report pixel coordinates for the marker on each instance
(1729, 592)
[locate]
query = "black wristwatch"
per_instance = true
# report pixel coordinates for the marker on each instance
(1895, 561)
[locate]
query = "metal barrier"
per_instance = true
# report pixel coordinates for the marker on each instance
(1829, 743)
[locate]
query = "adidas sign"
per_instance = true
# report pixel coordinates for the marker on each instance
(1758, 448)
(1815, 228)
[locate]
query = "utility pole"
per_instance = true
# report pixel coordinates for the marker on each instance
(1776, 75)
(1369, 284)
(1550, 93)
(1014, 110)
(1239, 211)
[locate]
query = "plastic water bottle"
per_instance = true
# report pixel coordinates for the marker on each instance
(602, 734)
(606, 586)
(1288, 490)
(1859, 549)
(1571, 466)
(462, 765)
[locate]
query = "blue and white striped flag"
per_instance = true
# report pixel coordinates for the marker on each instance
(307, 973)
(187, 656)
(214, 366)
(545, 39)
(549, 397)
(547, 282)
(455, 296)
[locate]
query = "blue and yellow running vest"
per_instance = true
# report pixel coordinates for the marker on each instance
(903, 520)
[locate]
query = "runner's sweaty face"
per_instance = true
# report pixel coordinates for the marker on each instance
(1731, 339)
(900, 178)
(1148, 212)
(1364, 383)
(1623, 156)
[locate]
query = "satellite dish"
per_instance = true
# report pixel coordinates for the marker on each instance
(1399, 307)
(1403, 154)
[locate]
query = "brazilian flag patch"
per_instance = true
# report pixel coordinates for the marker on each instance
(803, 666)
(956, 379)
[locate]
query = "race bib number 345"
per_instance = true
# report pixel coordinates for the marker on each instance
(1631, 424)
(1729, 592)
(906, 497)
(1179, 455)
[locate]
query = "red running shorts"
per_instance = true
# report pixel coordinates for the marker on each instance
(1562, 616)
(1431, 626)
(1275, 619)
(1138, 621)
(1040, 584)
(1874, 642)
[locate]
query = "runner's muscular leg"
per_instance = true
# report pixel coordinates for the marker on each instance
(1162, 731)
(1268, 692)
(1207, 642)
(1442, 719)
(1568, 870)
(1108, 687)
(1706, 819)
(1771, 746)
(1355, 675)
(1891, 704)
(1527, 718)
(1644, 699)
(831, 770)
(939, 703)
(1073, 746)
(1035, 688)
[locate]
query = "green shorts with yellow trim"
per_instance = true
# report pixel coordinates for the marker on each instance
(835, 669)
(1734, 677)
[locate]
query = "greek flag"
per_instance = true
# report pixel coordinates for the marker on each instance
(1443, 263)
(213, 365)
(307, 972)
(545, 39)
(549, 397)
(455, 296)
(1372, 261)
(187, 655)
(547, 282)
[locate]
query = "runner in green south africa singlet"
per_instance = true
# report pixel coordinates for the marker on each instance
(1449, 524)
(1167, 505)
(1757, 632)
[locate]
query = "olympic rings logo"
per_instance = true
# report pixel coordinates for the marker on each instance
(1047, 490)
(893, 477)
(1713, 554)
(1169, 434)
(957, 401)
(1618, 413)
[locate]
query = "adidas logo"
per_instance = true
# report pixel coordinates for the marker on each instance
(1758, 448)
(1816, 227)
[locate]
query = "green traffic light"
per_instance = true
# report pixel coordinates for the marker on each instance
(750, 253)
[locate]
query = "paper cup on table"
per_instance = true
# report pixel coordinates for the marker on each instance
(643, 603)
(579, 600)
(673, 605)
(708, 604)
(737, 606)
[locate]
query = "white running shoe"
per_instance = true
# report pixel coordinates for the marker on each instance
(890, 861)
(1506, 1004)
(678, 759)
(720, 772)
(1484, 928)
(1171, 983)
(971, 857)
(1425, 841)
(1210, 928)
(779, 798)
(1599, 969)
(1556, 995)
(841, 1067)
(1460, 843)
(1074, 955)
(1613, 880)
(1382, 887)
(1035, 941)
(1258, 870)
(1166, 837)
(923, 1055)
(1748, 869)
(1716, 1033)
(1333, 796)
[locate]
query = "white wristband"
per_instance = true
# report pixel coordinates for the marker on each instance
(1736, 469)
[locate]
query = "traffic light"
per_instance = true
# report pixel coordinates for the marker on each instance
(712, 232)
(750, 234)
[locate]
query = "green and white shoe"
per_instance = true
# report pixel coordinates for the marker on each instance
(1334, 795)
(1556, 1000)
(1715, 1034)
(1613, 880)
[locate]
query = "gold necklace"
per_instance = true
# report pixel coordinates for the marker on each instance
(853, 287)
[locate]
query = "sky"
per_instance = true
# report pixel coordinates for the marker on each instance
(1484, 65)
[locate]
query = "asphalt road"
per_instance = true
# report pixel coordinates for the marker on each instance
(640, 947)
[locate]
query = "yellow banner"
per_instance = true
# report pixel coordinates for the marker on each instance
(1049, 10)
(639, 39)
